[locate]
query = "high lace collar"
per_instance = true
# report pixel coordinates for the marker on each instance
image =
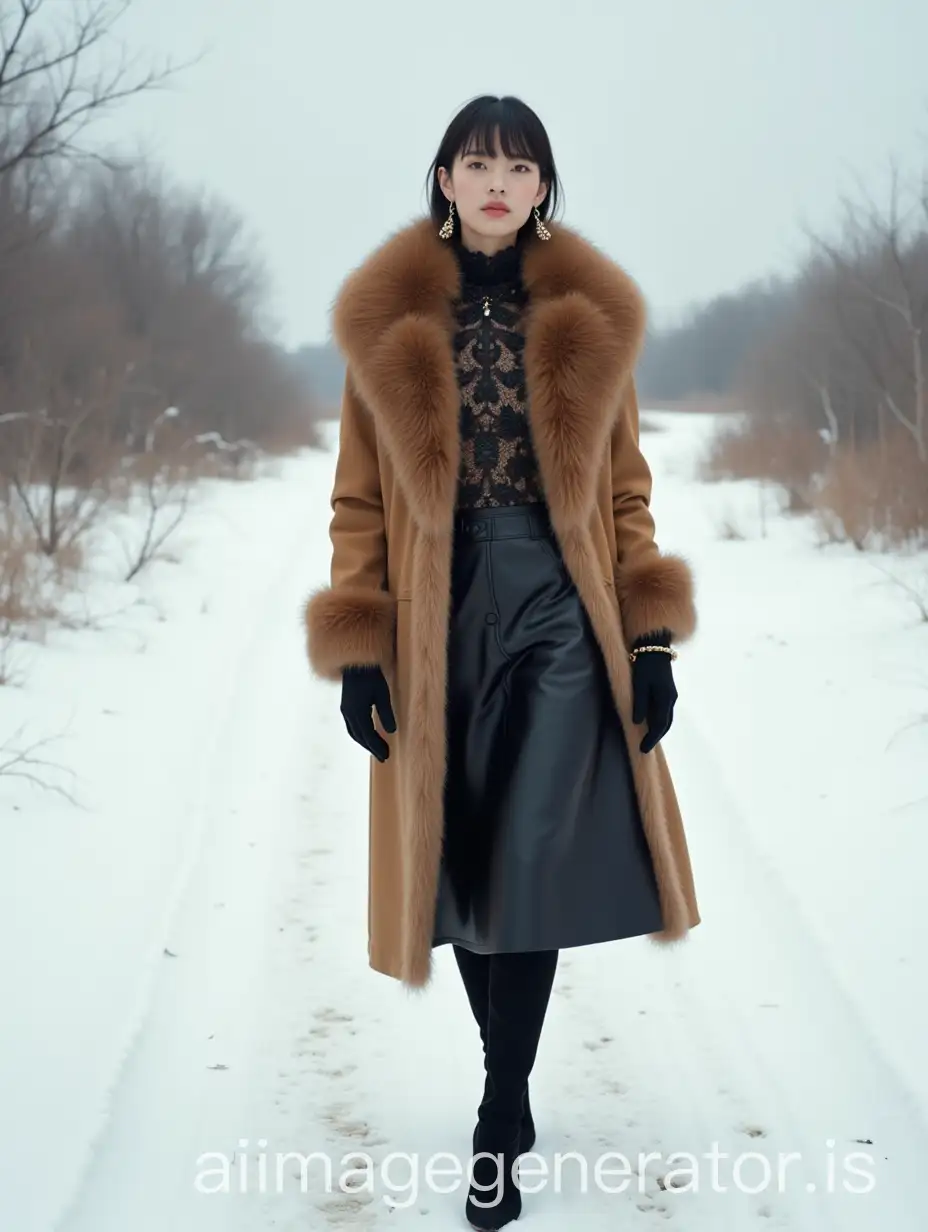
(478, 269)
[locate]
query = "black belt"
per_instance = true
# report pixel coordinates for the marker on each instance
(504, 522)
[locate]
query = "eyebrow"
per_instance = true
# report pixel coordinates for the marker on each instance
(525, 158)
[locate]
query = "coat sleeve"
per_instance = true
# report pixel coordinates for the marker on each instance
(655, 591)
(352, 621)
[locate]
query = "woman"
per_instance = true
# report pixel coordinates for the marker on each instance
(498, 599)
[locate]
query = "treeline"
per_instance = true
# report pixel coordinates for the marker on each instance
(135, 347)
(831, 371)
(707, 352)
(122, 297)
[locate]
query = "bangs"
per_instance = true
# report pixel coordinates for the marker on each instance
(514, 134)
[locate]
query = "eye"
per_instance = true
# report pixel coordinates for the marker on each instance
(476, 163)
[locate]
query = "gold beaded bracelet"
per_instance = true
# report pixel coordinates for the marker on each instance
(633, 654)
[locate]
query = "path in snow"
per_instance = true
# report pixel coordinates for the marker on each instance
(268, 1032)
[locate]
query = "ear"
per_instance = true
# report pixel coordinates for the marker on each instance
(542, 193)
(444, 183)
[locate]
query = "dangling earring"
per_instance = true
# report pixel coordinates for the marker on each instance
(447, 227)
(540, 228)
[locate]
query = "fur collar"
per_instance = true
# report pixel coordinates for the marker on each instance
(584, 327)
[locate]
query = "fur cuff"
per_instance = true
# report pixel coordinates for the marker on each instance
(657, 594)
(350, 625)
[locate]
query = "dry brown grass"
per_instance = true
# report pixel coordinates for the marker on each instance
(24, 572)
(17, 583)
(306, 433)
(778, 450)
(149, 492)
(875, 496)
(26, 588)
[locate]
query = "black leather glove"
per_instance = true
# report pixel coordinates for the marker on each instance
(653, 690)
(362, 689)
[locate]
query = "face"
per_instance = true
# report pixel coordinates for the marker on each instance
(475, 181)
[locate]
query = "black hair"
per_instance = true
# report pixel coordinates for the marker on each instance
(521, 134)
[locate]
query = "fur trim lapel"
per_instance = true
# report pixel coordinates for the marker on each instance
(393, 321)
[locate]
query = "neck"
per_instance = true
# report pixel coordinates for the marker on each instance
(489, 245)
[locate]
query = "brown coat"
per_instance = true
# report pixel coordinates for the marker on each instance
(392, 527)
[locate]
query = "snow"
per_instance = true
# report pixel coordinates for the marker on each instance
(183, 950)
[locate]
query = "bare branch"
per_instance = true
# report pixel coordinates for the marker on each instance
(159, 493)
(51, 93)
(87, 33)
(23, 763)
(10, 50)
(918, 595)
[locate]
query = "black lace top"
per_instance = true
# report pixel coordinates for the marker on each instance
(498, 463)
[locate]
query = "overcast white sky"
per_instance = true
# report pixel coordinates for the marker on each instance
(693, 139)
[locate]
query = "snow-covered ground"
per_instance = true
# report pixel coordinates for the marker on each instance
(182, 957)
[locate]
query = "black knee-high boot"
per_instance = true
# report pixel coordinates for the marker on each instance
(519, 991)
(475, 975)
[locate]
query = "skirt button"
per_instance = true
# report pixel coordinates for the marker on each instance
(491, 618)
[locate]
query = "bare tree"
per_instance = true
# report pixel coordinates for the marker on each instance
(67, 363)
(122, 297)
(52, 85)
(185, 271)
(881, 267)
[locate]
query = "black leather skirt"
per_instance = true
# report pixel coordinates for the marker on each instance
(543, 843)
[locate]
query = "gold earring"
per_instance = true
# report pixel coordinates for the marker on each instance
(447, 227)
(540, 228)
